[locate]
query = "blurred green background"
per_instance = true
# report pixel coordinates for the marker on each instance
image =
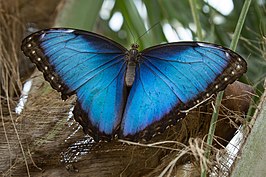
(161, 21)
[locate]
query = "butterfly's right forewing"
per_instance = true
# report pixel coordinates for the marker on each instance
(171, 79)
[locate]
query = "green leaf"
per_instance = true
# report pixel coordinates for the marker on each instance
(81, 14)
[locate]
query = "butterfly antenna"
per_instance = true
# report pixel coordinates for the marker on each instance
(147, 31)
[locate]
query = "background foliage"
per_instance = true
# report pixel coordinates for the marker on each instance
(84, 14)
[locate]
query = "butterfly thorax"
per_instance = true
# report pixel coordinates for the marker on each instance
(132, 60)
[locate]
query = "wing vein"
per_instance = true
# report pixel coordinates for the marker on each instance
(158, 70)
(177, 70)
(98, 72)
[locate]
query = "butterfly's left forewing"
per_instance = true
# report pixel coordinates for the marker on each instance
(86, 64)
(175, 77)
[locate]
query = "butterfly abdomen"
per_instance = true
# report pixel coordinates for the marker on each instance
(130, 73)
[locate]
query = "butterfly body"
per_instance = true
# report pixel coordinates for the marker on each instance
(132, 60)
(127, 93)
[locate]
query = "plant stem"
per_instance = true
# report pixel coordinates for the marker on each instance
(240, 24)
(219, 97)
(192, 4)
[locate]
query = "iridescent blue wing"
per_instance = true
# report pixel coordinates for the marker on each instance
(88, 65)
(175, 77)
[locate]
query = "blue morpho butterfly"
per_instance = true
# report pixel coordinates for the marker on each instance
(127, 93)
